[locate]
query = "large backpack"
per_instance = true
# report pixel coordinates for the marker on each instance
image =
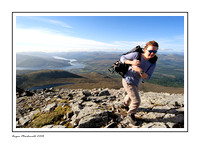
(122, 68)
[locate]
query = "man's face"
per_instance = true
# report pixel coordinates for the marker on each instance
(150, 52)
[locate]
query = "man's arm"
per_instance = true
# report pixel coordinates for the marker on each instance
(140, 71)
(132, 62)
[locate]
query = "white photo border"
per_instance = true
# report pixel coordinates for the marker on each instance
(185, 14)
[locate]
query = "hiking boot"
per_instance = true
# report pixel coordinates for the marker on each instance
(131, 118)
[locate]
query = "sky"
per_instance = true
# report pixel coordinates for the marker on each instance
(97, 33)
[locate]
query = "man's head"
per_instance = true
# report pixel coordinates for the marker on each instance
(150, 49)
(152, 43)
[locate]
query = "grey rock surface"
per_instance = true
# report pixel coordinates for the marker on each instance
(99, 108)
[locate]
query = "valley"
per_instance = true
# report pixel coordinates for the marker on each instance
(168, 76)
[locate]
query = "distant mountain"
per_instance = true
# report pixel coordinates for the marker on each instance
(36, 61)
(169, 72)
(43, 77)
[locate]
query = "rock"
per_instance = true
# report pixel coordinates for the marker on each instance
(112, 98)
(33, 113)
(159, 125)
(111, 125)
(104, 93)
(87, 93)
(95, 92)
(48, 126)
(47, 99)
(50, 107)
(58, 96)
(76, 107)
(153, 116)
(124, 123)
(59, 126)
(177, 104)
(28, 93)
(18, 125)
(178, 118)
(74, 121)
(98, 108)
(24, 120)
(170, 124)
(68, 115)
(61, 91)
(147, 125)
(94, 121)
(154, 125)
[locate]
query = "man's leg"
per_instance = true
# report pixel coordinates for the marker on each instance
(127, 99)
(132, 97)
(135, 99)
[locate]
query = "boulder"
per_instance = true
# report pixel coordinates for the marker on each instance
(94, 121)
(49, 107)
(24, 120)
(104, 93)
(87, 93)
(33, 113)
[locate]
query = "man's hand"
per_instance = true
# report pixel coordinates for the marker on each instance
(136, 68)
(139, 70)
(135, 63)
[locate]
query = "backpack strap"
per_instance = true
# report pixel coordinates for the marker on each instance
(135, 49)
(139, 56)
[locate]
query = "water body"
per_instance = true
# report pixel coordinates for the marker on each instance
(73, 62)
(74, 65)
(48, 86)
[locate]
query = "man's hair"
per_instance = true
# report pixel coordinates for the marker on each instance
(151, 43)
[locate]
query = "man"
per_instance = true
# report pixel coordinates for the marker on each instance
(139, 69)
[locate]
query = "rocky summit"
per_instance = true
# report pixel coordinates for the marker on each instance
(95, 108)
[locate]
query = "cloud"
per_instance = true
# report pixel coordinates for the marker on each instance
(129, 44)
(179, 37)
(48, 41)
(50, 21)
(165, 49)
(62, 24)
(51, 41)
(171, 44)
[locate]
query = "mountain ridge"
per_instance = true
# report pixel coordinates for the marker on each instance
(82, 80)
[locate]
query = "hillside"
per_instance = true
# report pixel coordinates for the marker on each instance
(168, 75)
(65, 79)
(95, 108)
(30, 61)
(43, 77)
(169, 71)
